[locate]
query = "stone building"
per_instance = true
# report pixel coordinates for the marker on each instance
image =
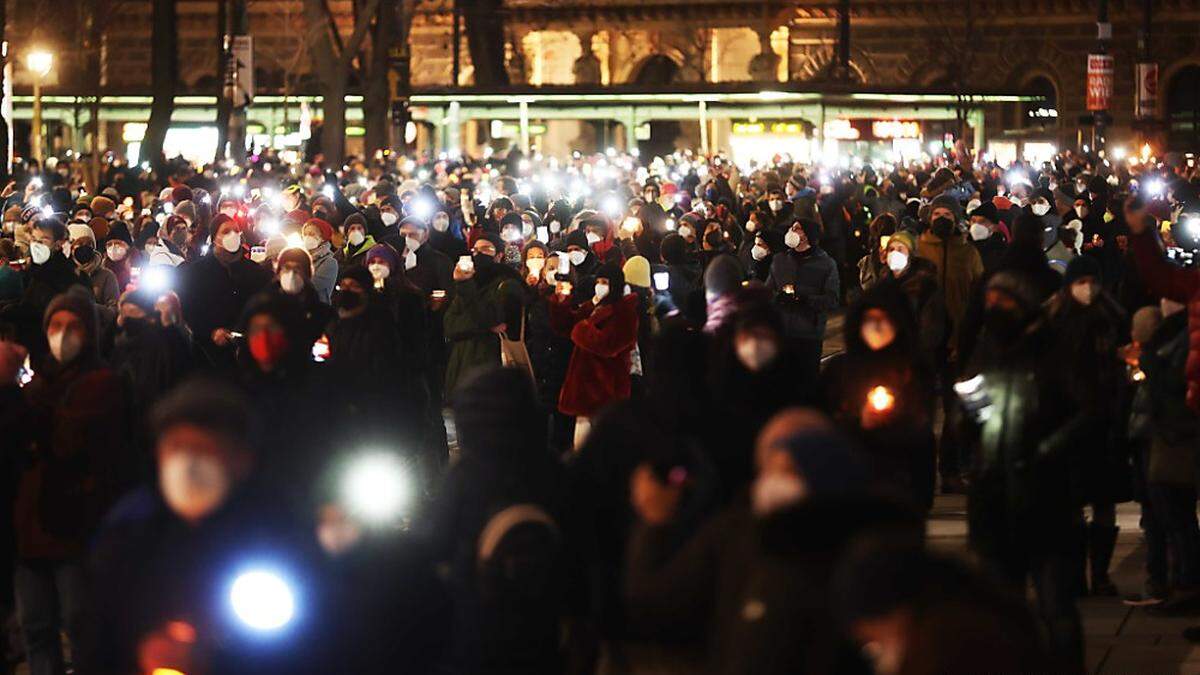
(1025, 46)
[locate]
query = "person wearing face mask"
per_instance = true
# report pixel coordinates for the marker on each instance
(1023, 518)
(293, 287)
(893, 427)
(149, 356)
(604, 330)
(177, 545)
(804, 281)
(486, 301)
(358, 242)
(49, 274)
(106, 290)
(914, 278)
(688, 223)
(68, 431)
(986, 237)
(317, 235)
(366, 338)
(775, 209)
(959, 267)
(446, 235)
(684, 292)
(584, 263)
(548, 351)
(214, 290)
(758, 251)
(118, 256)
(871, 266)
(1089, 326)
(755, 571)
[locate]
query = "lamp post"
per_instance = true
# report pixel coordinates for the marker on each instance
(39, 63)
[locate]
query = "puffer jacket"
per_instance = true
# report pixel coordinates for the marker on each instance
(813, 280)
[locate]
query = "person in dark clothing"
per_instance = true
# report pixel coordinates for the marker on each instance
(382, 393)
(172, 556)
(986, 237)
(683, 278)
(880, 392)
(915, 278)
(214, 290)
(804, 280)
(293, 286)
(1025, 428)
(51, 274)
(67, 432)
(503, 496)
(747, 586)
(1088, 327)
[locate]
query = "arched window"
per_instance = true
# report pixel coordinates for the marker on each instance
(1183, 109)
(1040, 113)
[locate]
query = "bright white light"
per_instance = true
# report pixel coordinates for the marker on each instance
(376, 487)
(423, 175)
(155, 279)
(262, 600)
(523, 165)
(268, 226)
(1154, 188)
(39, 62)
(967, 387)
(327, 191)
(935, 147)
(1192, 225)
(47, 210)
(550, 181)
(1118, 153)
(294, 240)
(36, 183)
(670, 224)
(612, 205)
(610, 152)
(239, 190)
(422, 209)
(168, 208)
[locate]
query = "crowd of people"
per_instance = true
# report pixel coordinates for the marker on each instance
(227, 392)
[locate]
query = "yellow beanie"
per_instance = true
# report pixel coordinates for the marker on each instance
(637, 272)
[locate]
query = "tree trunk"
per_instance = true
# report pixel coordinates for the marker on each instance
(333, 69)
(333, 126)
(485, 41)
(377, 97)
(223, 102)
(5, 167)
(164, 69)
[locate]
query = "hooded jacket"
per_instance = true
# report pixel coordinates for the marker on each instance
(959, 268)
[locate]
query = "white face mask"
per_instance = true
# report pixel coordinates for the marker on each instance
(535, 265)
(1083, 292)
(979, 231)
(791, 239)
(775, 204)
(311, 243)
(410, 260)
(65, 345)
(389, 217)
(39, 252)
(759, 252)
(1082, 211)
(577, 257)
(258, 254)
(67, 248)
(685, 231)
(379, 271)
(973, 204)
(756, 354)
(601, 291)
(775, 491)
(231, 242)
(1040, 208)
(592, 238)
(291, 282)
(750, 226)
(441, 223)
(193, 485)
(356, 238)
(555, 226)
(412, 243)
(117, 253)
(897, 260)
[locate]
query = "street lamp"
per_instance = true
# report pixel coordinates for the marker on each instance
(39, 63)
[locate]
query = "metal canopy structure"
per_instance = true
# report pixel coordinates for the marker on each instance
(632, 106)
(446, 110)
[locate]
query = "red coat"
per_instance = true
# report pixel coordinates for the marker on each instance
(1175, 283)
(604, 336)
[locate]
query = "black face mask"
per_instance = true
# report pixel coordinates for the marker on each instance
(1004, 325)
(483, 261)
(84, 254)
(943, 227)
(348, 300)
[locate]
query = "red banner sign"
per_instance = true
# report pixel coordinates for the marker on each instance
(1147, 91)
(1099, 81)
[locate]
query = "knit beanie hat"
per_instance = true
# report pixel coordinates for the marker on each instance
(385, 253)
(297, 255)
(1016, 286)
(325, 228)
(724, 275)
(907, 238)
(77, 231)
(988, 212)
(946, 202)
(637, 272)
(102, 206)
(181, 194)
(1082, 266)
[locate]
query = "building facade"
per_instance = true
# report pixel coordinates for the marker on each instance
(1037, 47)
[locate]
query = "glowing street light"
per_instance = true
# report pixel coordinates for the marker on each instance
(39, 63)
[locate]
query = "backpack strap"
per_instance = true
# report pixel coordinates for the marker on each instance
(500, 524)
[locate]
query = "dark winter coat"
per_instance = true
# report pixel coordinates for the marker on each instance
(1181, 285)
(813, 278)
(214, 294)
